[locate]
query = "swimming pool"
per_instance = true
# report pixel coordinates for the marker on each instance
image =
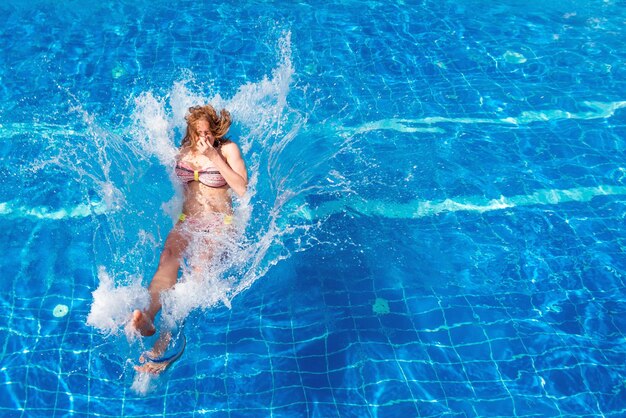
(435, 225)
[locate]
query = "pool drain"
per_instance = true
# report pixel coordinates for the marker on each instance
(60, 311)
(381, 306)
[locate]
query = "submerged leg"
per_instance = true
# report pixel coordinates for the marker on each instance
(164, 278)
(153, 360)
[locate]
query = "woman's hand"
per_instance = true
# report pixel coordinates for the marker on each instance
(206, 148)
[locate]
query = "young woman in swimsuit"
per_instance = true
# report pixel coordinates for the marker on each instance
(208, 165)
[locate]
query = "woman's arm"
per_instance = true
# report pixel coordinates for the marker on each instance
(231, 166)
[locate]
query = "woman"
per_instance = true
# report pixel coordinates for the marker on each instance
(208, 165)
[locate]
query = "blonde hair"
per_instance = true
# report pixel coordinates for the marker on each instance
(218, 124)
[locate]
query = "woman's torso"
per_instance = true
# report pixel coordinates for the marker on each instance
(200, 198)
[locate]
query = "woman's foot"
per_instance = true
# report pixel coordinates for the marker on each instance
(152, 361)
(152, 367)
(142, 323)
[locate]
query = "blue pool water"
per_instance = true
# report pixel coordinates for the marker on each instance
(435, 223)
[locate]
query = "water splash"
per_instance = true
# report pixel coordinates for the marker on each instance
(151, 128)
(143, 383)
(266, 125)
(112, 303)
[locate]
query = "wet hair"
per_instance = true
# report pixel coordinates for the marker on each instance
(218, 124)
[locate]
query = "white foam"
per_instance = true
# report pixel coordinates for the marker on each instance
(143, 383)
(113, 304)
(261, 106)
(203, 291)
(151, 128)
(181, 99)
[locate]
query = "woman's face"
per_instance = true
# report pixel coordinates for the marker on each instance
(203, 130)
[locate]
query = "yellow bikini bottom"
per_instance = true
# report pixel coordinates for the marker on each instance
(226, 219)
(214, 222)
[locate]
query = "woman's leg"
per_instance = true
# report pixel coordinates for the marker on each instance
(205, 249)
(203, 253)
(164, 278)
(157, 350)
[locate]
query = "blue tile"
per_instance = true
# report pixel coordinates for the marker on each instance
(403, 408)
(312, 364)
(439, 115)
(495, 407)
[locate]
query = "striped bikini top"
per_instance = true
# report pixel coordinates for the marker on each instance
(209, 176)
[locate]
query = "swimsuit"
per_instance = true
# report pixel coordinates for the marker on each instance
(218, 224)
(215, 219)
(211, 178)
